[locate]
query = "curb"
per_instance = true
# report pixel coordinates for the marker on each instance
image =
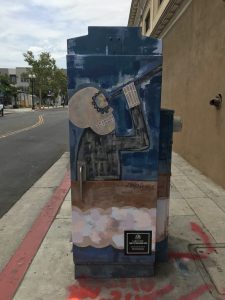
(13, 273)
(43, 198)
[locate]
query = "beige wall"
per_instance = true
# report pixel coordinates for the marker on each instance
(193, 73)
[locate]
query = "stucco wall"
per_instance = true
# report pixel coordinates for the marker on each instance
(193, 73)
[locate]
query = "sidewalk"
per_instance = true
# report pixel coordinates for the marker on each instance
(195, 270)
(16, 110)
(28, 109)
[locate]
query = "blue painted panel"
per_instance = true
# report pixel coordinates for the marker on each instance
(144, 165)
(114, 71)
(162, 250)
(114, 41)
(113, 270)
(107, 71)
(166, 141)
(107, 255)
(75, 134)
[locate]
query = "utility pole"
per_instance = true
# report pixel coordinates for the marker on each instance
(32, 80)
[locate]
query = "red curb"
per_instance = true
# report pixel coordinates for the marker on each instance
(15, 270)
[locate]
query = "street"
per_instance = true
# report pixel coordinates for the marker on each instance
(30, 142)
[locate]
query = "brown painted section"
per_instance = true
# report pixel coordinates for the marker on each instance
(105, 194)
(193, 74)
(164, 186)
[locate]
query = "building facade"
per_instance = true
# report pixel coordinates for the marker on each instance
(19, 79)
(193, 33)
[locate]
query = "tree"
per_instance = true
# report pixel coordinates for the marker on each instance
(43, 68)
(59, 84)
(7, 90)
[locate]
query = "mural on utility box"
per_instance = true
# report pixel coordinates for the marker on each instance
(104, 206)
(114, 85)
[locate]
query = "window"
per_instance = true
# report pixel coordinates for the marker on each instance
(24, 79)
(147, 21)
(12, 79)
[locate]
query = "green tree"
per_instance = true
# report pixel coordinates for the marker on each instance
(43, 68)
(59, 83)
(48, 76)
(7, 90)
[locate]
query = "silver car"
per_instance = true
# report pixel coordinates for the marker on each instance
(1, 110)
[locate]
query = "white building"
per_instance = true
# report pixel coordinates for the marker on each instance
(19, 79)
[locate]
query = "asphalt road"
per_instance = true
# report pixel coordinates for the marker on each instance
(30, 143)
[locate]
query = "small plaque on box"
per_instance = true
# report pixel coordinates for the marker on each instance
(138, 242)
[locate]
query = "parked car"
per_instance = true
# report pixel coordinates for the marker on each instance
(1, 109)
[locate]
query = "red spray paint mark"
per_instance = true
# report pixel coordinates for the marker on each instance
(114, 289)
(206, 243)
(187, 255)
(146, 285)
(140, 289)
(204, 237)
(78, 292)
(163, 291)
(156, 294)
(196, 293)
(128, 296)
(135, 285)
(116, 295)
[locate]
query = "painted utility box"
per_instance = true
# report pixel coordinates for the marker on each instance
(120, 152)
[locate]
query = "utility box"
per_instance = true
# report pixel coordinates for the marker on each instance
(120, 153)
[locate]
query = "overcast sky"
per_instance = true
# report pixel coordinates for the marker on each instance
(45, 25)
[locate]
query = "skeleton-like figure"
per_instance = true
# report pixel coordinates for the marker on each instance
(99, 146)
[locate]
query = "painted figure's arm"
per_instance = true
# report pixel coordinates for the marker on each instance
(140, 140)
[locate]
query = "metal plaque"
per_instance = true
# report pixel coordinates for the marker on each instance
(138, 242)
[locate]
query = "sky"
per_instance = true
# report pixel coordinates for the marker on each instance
(45, 25)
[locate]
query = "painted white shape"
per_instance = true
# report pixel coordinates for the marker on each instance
(100, 228)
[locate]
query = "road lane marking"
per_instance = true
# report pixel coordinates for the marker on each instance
(39, 123)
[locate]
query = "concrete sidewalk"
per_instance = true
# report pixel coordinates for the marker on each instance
(29, 109)
(16, 110)
(195, 270)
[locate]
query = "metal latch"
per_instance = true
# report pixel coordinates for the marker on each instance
(81, 168)
(177, 124)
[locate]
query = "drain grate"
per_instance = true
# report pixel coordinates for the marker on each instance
(212, 267)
